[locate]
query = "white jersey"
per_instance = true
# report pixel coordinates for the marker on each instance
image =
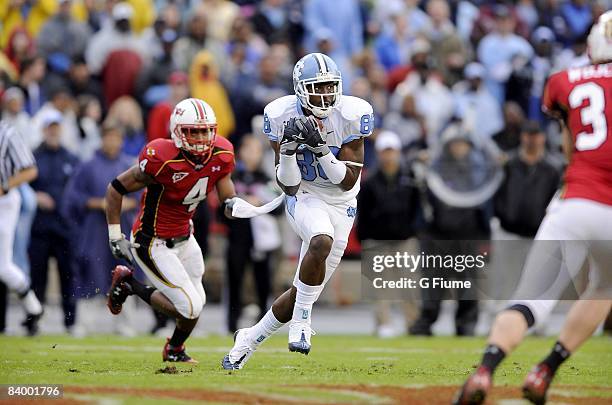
(351, 119)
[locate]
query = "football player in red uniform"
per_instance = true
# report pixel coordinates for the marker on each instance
(177, 173)
(581, 98)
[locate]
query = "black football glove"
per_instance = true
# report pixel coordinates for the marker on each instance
(312, 135)
(291, 135)
(121, 249)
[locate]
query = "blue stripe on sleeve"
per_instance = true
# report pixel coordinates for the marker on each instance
(350, 138)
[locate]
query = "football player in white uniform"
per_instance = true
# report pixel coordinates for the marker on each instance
(317, 135)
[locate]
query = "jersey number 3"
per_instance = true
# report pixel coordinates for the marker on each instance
(593, 114)
(196, 194)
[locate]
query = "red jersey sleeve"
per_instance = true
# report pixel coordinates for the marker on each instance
(224, 151)
(553, 103)
(154, 156)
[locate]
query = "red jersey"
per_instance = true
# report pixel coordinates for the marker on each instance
(583, 98)
(168, 204)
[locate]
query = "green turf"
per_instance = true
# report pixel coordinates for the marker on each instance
(118, 362)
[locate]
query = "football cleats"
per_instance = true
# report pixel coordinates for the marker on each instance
(599, 41)
(317, 83)
(193, 127)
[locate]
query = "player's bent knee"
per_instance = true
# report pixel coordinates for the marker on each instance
(525, 311)
(320, 246)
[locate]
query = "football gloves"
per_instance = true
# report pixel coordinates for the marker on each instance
(311, 135)
(291, 135)
(121, 249)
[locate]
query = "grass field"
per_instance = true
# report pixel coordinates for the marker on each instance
(340, 369)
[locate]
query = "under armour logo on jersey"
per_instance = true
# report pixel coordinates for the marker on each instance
(351, 212)
(176, 177)
(179, 111)
(216, 169)
(150, 152)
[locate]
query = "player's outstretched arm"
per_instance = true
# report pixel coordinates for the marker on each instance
(226, 191)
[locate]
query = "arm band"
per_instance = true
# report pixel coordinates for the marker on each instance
(288, 172)
(114, 232)
(119, 187)
(334, 169)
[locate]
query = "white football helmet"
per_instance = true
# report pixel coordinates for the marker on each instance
(193, 127)
(600, 39)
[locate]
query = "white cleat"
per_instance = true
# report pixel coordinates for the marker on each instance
(299, 337)
(240, 353)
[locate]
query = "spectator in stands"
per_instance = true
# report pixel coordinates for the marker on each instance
(343, 19)
(20, 47)
(250, 241)
(393, 44)
(474, 101)
(32, 72)
(497, 49)
(60, 99)
(271, 20)
(80, 81)
(434, 101)
(224, 13)
(50, 232)
(389, 193)
(159, 118)
(578, 17)
(126, 112)
(205, 84)
(543, 41)
(63, 38)
(114, 37)
(409, 125)
(20, 13)
(509, 137)
(89, 117)
(531, 180)
(249, 97)
(152, 83)
(448, 49)
(84, 205)
(196, 40)
(242, 33)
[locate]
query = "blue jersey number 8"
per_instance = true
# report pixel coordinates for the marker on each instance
(266, 124)
(366, 124)
(308, 166)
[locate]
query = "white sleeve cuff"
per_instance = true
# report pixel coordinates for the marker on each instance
(288, 172)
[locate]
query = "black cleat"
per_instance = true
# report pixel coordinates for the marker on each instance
(176, 355)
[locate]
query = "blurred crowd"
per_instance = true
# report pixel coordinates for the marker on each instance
(455, 85)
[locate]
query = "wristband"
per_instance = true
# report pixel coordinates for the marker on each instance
(334, 169)
(114, 232)
(288, 172)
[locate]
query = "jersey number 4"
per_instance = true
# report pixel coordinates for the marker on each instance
(196, 194)
(593, 114)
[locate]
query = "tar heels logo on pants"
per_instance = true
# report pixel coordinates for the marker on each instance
(351, 212)
(305, 314)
